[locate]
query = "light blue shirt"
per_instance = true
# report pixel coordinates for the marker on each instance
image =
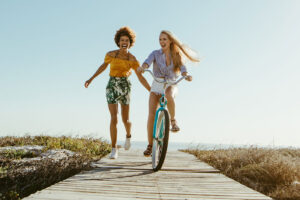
(160, 69)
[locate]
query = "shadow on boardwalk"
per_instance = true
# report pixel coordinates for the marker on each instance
(131, 177)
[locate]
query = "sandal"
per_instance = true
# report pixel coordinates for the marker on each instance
(174, 125)
(148, 151)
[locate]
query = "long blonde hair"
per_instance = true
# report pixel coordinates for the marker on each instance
(179, 51)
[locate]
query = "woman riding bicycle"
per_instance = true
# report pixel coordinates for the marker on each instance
(167, 64)
(118, 88)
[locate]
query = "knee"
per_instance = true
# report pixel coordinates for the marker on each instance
(151, 116)
(170, 96)
(114, 119)
(126, 121)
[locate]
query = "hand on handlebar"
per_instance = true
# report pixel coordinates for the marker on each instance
(141, 69)
(189, 78)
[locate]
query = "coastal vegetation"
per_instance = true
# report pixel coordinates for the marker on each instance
(28, 164)
(274, 172)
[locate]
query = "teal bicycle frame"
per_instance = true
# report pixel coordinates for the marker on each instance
(163, 103)
(161, 127)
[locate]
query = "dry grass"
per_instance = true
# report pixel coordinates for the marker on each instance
(89, 147)
(15, 182)
(273, 172)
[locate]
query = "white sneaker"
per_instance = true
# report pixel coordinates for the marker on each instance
(114, 153)
(127, 144)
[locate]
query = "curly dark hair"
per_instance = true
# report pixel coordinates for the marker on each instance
(125, 31)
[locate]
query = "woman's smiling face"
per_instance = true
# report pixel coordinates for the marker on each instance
(124, 42)
(164, 41)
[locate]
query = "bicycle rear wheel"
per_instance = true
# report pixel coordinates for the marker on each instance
(160, 140)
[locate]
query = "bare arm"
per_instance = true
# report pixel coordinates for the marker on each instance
(99, 71)
(143, 80)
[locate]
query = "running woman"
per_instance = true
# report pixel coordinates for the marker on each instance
(118, 88)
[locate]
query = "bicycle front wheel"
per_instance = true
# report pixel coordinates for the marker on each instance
(160, 140)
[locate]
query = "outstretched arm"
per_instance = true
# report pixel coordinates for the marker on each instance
(142, 80)
(99, 71)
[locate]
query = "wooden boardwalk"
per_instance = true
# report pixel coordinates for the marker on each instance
(131, 177)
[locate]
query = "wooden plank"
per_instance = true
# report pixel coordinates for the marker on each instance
(131, 177)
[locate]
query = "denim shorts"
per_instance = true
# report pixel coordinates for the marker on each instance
(158, 88)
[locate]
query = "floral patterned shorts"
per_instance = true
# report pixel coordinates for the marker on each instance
(118, 90)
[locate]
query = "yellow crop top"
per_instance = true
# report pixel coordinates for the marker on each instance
(120, 67)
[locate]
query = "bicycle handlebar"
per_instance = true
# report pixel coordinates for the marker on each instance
(165, 81)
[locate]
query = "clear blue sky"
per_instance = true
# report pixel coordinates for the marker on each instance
(245, 90)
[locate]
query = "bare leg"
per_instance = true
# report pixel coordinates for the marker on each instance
(170, 95)
(153, 104)
(113, 109)
(125, 119)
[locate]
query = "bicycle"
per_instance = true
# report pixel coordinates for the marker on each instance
(161, 127)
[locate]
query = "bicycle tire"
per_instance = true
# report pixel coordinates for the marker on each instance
(159, 151)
